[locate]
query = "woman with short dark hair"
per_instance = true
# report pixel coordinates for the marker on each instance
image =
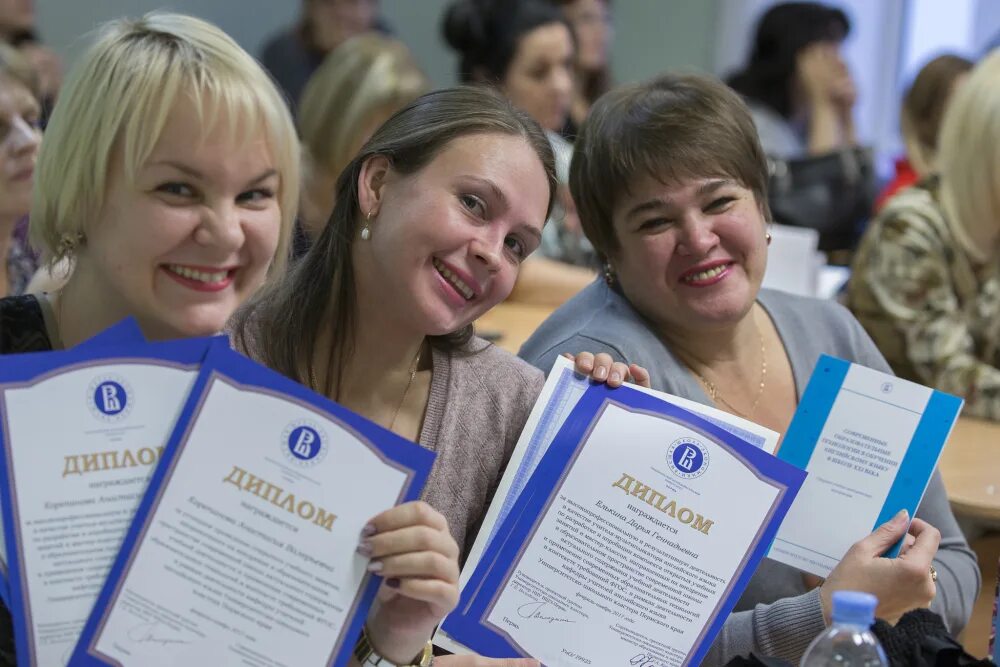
(671, 184)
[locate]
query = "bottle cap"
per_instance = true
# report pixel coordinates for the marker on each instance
(854, 607)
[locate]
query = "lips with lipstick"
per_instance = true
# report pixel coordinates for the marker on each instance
(460, 285)
(201, 278)
(705, 275)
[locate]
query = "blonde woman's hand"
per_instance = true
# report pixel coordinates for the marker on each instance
(602, 368)
(411, 547)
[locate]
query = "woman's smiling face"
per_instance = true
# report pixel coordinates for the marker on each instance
(191, 235)
(447, 241)
(692, 255)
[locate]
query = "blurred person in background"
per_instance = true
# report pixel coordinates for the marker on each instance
(926, 279)
(920, 120)
(20, 138)
(525, 49)
(591, 23)
(294, 54)
(802, 97)
(359, 86)
(17, 28)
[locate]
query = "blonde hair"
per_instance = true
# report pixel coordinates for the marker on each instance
(116, 101)
(969, 161)
(365, 76)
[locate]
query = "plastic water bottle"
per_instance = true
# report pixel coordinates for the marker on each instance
(849, 642)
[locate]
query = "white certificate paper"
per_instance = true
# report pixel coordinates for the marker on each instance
(562, 391)
(244, 550)
(632, 541)
(870, 443)
(80, 443)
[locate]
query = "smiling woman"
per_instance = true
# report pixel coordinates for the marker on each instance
(169, 178)
(432, 221)
(671, 184)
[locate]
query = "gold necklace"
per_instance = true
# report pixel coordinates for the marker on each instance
(713, 391)
(402, 399)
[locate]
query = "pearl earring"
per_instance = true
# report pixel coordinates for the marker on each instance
(366, 230)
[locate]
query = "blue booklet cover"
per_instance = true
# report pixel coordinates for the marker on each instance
(870, 442)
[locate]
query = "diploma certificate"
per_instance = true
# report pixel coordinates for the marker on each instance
(126, 331)
(870, 443)
(81, 431)
(631, 543)
(562, 391)
(244, 548)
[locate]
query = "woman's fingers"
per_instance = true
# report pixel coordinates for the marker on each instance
(583, 363)
(417, 513)
(409, 540)
(421, 565)
(640, 376)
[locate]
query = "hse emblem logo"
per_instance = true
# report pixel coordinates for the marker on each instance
(110, 398)
(688, 458)
(304, 443)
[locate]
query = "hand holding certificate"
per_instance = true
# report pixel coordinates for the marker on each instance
(870, 443)
(244, 546)
(616, 550)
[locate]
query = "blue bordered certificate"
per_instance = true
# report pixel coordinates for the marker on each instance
(244, 548)
(126, 331)
(631, 542)
(870, 443)
(81, 433)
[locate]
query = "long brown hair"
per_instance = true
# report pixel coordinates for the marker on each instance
(280, 326)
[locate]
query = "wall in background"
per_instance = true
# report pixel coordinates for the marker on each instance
(653, 34)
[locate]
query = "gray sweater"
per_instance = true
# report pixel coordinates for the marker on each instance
(479, 401)
(777, 615)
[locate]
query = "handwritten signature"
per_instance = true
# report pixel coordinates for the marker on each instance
(643, 660)
(534, 610)
(151, 633)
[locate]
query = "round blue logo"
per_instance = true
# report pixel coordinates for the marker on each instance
(304, 443)
(688, 458)
(109, 398)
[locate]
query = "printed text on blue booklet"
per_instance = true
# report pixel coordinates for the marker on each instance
(243, 550)
(870, 443)
(126, 331)
(81, 431)
(631, 542)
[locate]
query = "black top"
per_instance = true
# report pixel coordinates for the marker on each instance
(22, 329)
(22, 326)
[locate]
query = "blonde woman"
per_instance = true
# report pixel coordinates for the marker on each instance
(360, 84)
(170, 179)
(925, 281)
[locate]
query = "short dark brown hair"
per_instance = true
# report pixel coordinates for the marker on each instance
(673, 128)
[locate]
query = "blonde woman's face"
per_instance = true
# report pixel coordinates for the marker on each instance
(192, 238)
(20, 138)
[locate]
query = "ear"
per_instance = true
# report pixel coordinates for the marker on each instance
(371, 183)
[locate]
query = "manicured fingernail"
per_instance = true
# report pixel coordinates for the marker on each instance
(616, 377)
(900, 516)
(392, 583)
(368, 530)
(601, 373)
(375, 566)
(365, 548)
